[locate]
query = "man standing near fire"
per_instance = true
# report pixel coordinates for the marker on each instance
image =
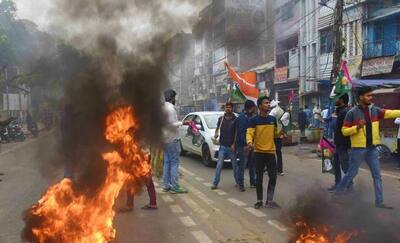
(172, 147)
(261, 136)
(362, 126)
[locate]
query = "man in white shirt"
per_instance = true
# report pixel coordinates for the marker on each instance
(172, 145)
(397, 122)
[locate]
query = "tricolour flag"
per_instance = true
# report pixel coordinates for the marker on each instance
(246, 82)
(343, 83)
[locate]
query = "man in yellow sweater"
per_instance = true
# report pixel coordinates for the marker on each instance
(362, 126)
(261, 136)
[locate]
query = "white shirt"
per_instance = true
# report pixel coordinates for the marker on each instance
(324, 114)
(171, 131)
(397, 122)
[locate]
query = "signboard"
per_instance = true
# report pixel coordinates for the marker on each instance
(245, 18)
(219, 67)
(281, 74)
(379, 65)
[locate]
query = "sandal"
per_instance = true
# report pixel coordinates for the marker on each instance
(125, 209)
(150, 207)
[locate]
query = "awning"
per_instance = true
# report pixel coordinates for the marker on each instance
(381, 83)
(264, 67)
(384, 14)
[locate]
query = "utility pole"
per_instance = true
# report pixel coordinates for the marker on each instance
(338, 40)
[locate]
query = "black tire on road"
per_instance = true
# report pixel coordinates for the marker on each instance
(206, 156)
(183, 152)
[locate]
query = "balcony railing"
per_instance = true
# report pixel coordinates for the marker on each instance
(382, 48)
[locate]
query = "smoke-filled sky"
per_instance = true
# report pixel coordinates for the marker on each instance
(35, 11)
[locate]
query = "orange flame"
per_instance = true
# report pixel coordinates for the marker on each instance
(320, 234)
(66, 216)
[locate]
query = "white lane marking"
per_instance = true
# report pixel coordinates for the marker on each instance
(176, 208)
(382, 173)
(237, 202)
(187, 221)
(201, 237)
(277, 225)
(194, 206)
(167, 199)
(207, 184)
(202, 197)
(256, 212)
(199, 179)
(186, 171)
(220, 192)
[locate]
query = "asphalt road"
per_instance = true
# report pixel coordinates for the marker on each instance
(225, 215)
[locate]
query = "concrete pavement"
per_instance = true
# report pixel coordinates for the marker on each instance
(225, 215)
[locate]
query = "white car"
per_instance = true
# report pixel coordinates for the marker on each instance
(201, 144)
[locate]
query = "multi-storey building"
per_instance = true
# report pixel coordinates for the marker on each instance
(286, 31)
(180, 69)
(316, 38)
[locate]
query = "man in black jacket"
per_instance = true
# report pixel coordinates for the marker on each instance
(342, 143)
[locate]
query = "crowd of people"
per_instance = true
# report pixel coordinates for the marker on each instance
(253, 139)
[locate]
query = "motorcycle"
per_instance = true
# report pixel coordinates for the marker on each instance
(15, 132)
(12, 133)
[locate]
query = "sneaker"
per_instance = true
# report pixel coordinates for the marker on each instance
(258, 205)
(166, 189)
(214, 187)
(272, 205)
(384, 206)
(241, 188)
(281, 174)
(252, 186)
(179, 190)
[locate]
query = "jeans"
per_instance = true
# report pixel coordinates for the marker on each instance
(263, 160)
(278, 144)
(171, 165)
(357, 156)
(245, 157)
(222, 153)
(342, 161)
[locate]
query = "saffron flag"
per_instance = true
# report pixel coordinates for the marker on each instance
(246, 82)
(343, 83)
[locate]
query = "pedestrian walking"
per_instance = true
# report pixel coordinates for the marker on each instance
(362, 125)
(342, 143)
(261, 136)
(303, 122)
(397, 122)
(225, 133)
(244, 153)
(130, 194)
(278, 113)
(172, 146)
(317, 116)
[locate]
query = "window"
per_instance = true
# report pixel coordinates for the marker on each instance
(287, 11)
(351, 40)
(212, 120)
(188, 119)
(326, 41)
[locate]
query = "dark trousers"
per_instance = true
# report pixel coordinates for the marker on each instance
(342, 161)
(278, 145)
(150, 189)
(263, 160)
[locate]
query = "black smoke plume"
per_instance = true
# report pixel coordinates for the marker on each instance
(343, 214)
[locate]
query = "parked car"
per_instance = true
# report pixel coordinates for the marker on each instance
(196, 133)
